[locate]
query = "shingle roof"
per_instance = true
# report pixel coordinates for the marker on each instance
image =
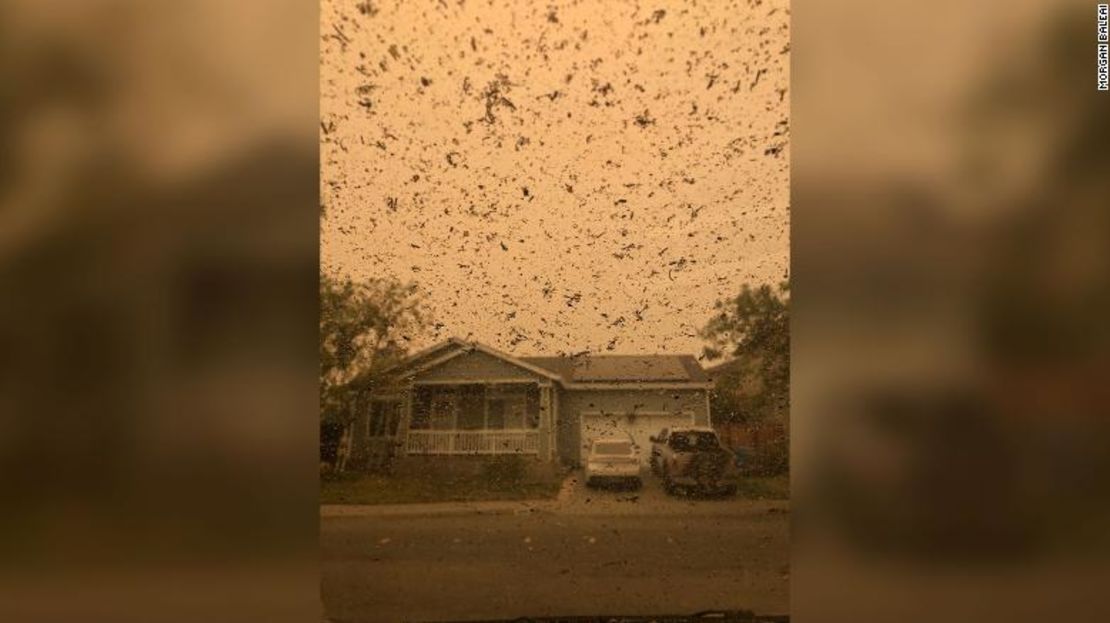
(623, 368)
(593, 368)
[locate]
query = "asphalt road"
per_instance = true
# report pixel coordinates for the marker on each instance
(502, 566)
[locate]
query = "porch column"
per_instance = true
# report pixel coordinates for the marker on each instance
(554, 432)
(406, 418)
(546, 422)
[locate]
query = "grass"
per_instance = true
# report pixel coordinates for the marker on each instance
(764, 487)
(377, 489)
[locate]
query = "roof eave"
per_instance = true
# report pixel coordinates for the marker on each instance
(638, 385)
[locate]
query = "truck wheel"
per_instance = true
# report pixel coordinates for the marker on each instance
(668, 484)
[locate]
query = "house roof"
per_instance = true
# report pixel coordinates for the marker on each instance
(624, 368)
(462, 346)
(588, 368)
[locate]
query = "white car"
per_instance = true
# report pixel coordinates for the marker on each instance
(613, 459)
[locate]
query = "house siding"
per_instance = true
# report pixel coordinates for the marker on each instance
(573, 402)
(477, 366)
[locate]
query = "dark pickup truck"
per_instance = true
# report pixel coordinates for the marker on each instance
(693, 458)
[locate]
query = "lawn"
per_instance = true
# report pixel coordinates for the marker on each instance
(764, 487)
(377, 489)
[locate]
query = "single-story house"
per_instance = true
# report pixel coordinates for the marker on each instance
(465, 398)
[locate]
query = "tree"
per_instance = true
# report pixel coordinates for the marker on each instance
(364, 328)
(754, 329)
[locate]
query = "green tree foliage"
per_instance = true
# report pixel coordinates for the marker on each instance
(753, 329)
(364, 328)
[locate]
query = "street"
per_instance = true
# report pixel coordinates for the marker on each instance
(735, 555)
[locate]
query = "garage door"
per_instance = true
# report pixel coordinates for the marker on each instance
(639, 427)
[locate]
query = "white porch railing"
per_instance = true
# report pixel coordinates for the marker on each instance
(521, 441)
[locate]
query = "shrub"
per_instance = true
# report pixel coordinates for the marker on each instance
(329, 474)
(767, 459)
(504, 469)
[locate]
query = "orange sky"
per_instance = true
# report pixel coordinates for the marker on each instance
(558, 177)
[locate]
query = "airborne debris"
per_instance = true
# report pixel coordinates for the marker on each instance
(495, 97)
(448, 157)
(367, 8)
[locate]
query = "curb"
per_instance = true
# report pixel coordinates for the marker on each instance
(548, 509)
(446, 509)
(544, 507)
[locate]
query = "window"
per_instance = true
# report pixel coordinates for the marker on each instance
(532, 407)
(421, 408)
(514, 413)
(495, 413)
(384, 418)
(693, 440)
(444, 404)
(613, 448)
(395, 419)
(472, 407)
(375, 424)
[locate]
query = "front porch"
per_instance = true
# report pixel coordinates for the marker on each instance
(474, 418)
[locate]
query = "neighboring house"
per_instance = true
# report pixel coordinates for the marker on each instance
(715, 372)
(749, 383)
(719, 377)
(465, 398)
(736, 379)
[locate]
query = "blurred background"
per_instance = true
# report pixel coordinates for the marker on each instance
(158, 259)
(158, 228)
(951, 278)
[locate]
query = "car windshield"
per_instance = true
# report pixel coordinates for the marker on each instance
(694, 440)
(613, 448)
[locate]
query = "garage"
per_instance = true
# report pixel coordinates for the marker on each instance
(640, 426)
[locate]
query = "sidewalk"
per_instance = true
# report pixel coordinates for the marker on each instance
(436, 509)
(573, 499)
